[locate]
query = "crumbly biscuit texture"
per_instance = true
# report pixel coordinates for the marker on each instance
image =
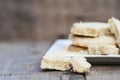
(55, 63)
(80, 65)
(65, 62)
(92, 29)
(118, 41)
(77, 49)
(114, 26)
(103, 49)
(86, 41)
(115, 29)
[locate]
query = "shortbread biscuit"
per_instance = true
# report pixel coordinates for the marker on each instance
(78, 49)
(80, 65)
(103, 49)
(60, 60)
(86, 41)
(115, 29)
(114, 26)
(57, 63)
(118, 41)
(55, 60)
(92, 29)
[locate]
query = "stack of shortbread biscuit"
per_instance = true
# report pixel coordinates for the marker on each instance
(97, 37)
(94, 38)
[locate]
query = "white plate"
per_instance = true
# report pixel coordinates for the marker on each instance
(95, 59)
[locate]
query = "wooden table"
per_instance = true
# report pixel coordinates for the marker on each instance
(21, 60)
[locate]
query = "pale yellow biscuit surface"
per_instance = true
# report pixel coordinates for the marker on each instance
(80, 65)
(86, 41)
(77, 49)
(115, 28)
(65, 60)
(103, 49)
(92, 29)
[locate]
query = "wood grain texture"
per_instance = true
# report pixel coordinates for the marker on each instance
(47, 19)
(102, 72)
(73, 76)
(21, 61)
(33, 76)
(17, 57)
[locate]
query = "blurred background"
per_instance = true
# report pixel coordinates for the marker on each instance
(50, 19)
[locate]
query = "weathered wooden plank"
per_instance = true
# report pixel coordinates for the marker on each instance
(29, 19)
(33, 76)
(110, 72)
(21, 57)
(21, 61)
(46, 75)
(73, 77)
(65, 77)
(77, 77)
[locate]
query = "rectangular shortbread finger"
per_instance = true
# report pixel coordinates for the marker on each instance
(80, 65)
(60, 60)
(114, 26)
(86, 41)
(54, 63)
(103, 49)
(115, 29)
(92, 29)
(77, 49)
